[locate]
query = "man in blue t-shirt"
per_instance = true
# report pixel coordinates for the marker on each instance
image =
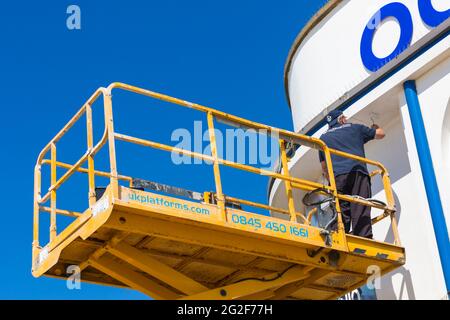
(352, 177)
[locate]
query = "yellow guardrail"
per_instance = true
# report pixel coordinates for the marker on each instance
(110, 136)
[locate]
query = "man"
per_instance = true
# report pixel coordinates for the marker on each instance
(352, 177)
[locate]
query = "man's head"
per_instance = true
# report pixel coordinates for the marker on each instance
(335, 117)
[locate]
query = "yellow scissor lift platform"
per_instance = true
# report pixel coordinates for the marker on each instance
(171, 248)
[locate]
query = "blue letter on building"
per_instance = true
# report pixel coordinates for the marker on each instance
(398, 11)
(431, 16)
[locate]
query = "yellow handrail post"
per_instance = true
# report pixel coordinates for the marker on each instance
(109, 123)
(37, 195)
(218, 182)
(332, 180)
(53, 193)
(287, 184)
(90, 146)
(391, 203)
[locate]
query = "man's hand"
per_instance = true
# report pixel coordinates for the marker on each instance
(379, 134)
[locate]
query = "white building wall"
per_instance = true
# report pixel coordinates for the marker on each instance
(434, 97)
(421, 277)
(326, 65)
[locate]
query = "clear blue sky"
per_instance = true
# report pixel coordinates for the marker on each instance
(228, 55)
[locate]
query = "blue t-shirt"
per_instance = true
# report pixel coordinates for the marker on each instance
(349, 138)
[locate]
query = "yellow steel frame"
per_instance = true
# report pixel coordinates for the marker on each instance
(183, 284)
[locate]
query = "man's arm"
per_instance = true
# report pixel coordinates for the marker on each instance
(379, 134)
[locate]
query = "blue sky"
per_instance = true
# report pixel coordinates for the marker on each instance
(228, 55)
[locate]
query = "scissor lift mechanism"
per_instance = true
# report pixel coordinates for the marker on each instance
(170, 248)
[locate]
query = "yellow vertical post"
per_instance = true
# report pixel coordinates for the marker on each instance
(218, 182)
(37, 195)
(90, 145)
(332, 181)
(109, 124)
(391, 203)
(287, 184)
(53, 193)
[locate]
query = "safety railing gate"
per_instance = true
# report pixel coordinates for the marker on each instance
(110, 136)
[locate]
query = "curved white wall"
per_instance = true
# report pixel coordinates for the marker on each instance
(446, 140)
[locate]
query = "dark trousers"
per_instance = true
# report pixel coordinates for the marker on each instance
(355, 215)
